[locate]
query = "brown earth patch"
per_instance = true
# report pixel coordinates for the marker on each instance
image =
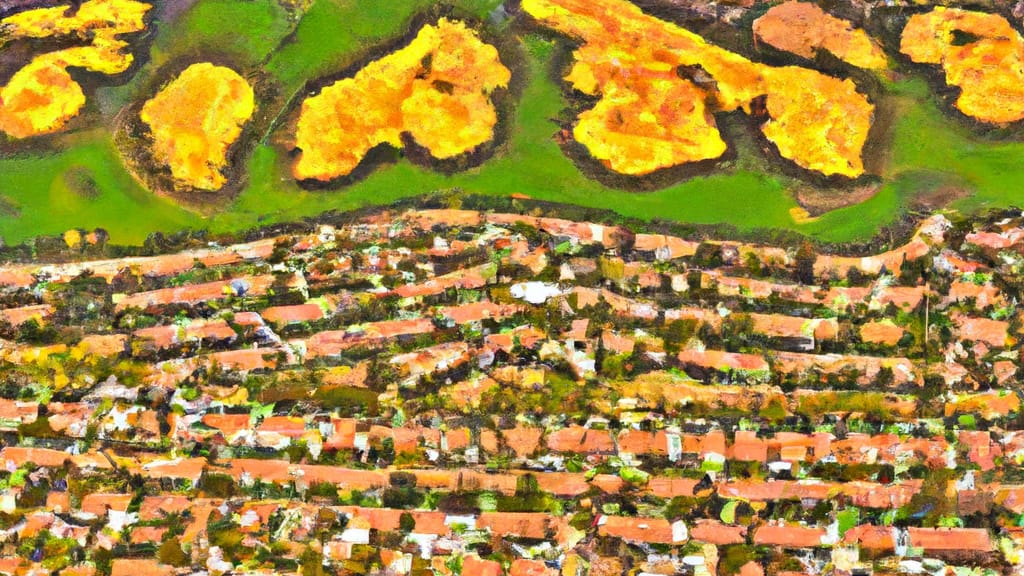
(817, 201)
(938, 197)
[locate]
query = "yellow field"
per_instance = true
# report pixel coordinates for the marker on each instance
(437, 89)
(819, 122)
(194, 121)
(989, 71)
(41, 97)
(665, 125)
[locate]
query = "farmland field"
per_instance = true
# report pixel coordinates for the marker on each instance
(287, 45)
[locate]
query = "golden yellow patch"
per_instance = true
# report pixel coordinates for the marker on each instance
(73, 238)
(988, 66)
(194, 121)
(666, 124)
(631, 60)
(800, 215)
(41, 97)
(437, 89)
(95, 18)
(803, 28)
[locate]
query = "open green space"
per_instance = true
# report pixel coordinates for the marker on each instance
(40, 198)
(297, 44)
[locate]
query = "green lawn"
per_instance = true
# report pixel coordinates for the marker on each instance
(37, 188)
(928, 148)
(927, 140)
(246, 31)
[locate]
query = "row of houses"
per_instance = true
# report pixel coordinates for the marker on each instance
(467, 392)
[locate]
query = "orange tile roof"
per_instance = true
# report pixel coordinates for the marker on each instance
(991, 332)
(467, 279)
(903, 370)
(17, 456)
(196, 330)
(747, 447)
(984, 295)
(177, 468)
(950, 539)
(156, 507)
(472, 565)
(516, 524)
(18, 411)
(643, 442)
(753, 288)
(427, 219)
(58, 501)
(524, 567)
(290, 426)
(995, 240)
(103, 345)
(144, 534)
(781, 326)
(583, 232)
(617, 344)
(608, 483)
(717, 533)
(98, 504)
(344, 478)
(293, 314)
(477, 311)
(666, 247)
(245, 360)
(981, 449)
(788, 536)
(563, 483)
(760, 490)
(652, 530)
(432, 359)
(21, 275)
(228, 424)
(139, 567)
(331, 343)
(196, 293)
(992, 404)
(580, 440)
(724, 361)
(871, 537)
(523, 440)
(18, 316)
(881, 332)
(665, 487)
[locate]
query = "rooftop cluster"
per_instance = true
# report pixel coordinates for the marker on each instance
(455, 391)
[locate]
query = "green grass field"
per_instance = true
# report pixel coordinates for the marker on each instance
(928, 148)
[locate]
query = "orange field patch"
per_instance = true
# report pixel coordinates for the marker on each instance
(633, 61)
(803, 28)
(981, 53)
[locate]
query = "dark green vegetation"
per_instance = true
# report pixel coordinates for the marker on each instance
(286, 46)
